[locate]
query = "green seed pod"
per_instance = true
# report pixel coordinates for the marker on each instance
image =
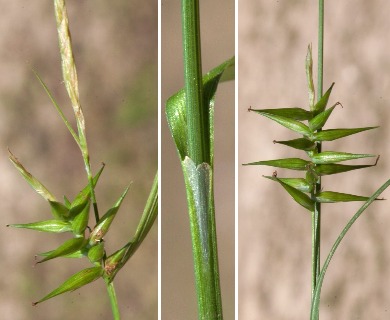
(104, 223)
(301, 144)
(321, 104)
(288, 163)
(59, 211)
(327, 157)
(96, 253)
(319, 120)
(68, 247)
(114, 262)
(291, 113)
(80, 221)
(333, 134)
(55, 226)
(302, 198)
(297, 183)
(332, 197)
(291, 124)
(328, 169)
(76, 281)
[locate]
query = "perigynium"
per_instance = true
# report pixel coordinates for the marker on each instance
(86, 239)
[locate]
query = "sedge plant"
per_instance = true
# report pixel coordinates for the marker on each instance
(190, 115)
(307, 190)
(73, 215)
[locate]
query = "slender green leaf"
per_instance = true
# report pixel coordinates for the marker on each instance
(74, 255)
(291, 113)
(76, 281)
(331, 197)
(301, 198)
(58, 108)
(333, 134)
(104, 223)
(320, 119)
(32, 181)
(321, 104)
(300, 143)
(291, 124)
(68, 247)
(113, 264)
(297, 183)
(288, 163)
(314, 315)
(55, 226)
(328, 157)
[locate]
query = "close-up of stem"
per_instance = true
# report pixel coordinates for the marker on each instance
(190, 115)
(316, 219)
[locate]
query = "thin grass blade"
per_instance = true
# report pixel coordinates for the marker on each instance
(315, 307)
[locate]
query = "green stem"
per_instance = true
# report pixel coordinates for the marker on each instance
(316, 219)
(113, 300)
(200, 180)
(198, 137)
(90, 180)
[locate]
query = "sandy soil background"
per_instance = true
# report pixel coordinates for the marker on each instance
(115, 46)
(274, 231)
(178, 291)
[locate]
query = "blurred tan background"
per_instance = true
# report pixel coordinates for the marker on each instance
(115, 46)
(178, 291)
(274, 231)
